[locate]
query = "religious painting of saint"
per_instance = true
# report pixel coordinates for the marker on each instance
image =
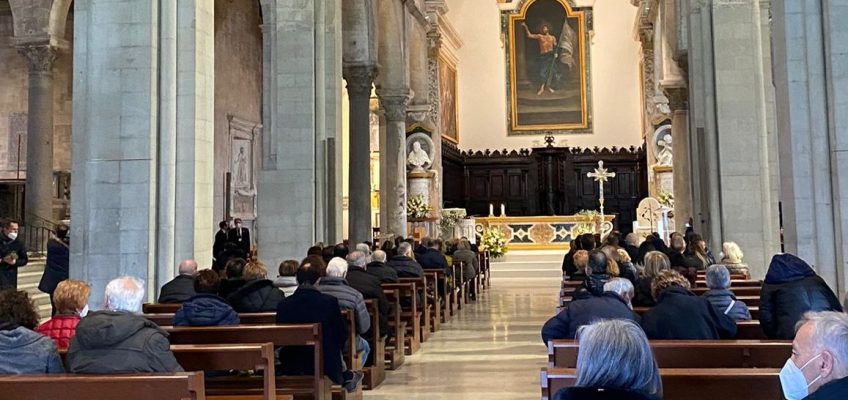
(548, 80)
(448, 109)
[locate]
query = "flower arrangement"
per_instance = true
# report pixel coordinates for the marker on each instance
(666, 199)
(588, 225)
(494, 241)
(450, 217)
(417, 208)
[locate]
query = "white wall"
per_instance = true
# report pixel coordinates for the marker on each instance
(481, 68)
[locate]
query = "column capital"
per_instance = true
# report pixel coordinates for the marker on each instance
(40, 57)
(360, 79)
(678, 98)
(394, 103)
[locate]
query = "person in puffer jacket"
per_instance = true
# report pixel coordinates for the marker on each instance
(70, 300)
(792, 288)
(258, 293)
(206, 308)
(23, 351)
(720, 296)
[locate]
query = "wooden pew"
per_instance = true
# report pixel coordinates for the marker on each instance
(375, 373)
(423, 305)
(316, 386)
(439, 278)
(755, 311)
(409, 314)
(691, 384)
(750, 301)
(693, 353)
(174, 386)
(738, 291)
(749, 330)
(734, 283)
(262, 318)
(160, 308)
(434, 298)
(486, 268)
(394, 350)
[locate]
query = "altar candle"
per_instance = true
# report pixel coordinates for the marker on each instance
(491, 210)
(503, 210)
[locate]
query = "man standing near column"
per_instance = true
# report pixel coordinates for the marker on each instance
(241, 237)
(13, 254)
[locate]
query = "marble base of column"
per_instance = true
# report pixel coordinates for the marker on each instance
(359, 80)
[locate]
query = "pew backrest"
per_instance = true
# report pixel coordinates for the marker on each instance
(173, 386)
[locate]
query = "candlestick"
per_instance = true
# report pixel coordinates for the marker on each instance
(503, 210)
(491, 210)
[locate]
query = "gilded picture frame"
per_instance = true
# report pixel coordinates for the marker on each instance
(548, 82)
(448, 100)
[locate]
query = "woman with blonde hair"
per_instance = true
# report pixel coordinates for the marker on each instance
(70, 299)
(731, 258)
(655, 262)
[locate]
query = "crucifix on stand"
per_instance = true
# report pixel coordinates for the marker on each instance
(601, 175)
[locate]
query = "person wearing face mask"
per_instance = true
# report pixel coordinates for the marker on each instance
(13, 254)
(70, 300)
(240, 236)
(818, 368)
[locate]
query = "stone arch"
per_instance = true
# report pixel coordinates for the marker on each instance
(58, 18)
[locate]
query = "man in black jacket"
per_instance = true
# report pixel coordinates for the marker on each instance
(613, 303)
(56, 268)
(431, 257)
(221, 238)
(307, 306)
(13, 254)
(404, 264)
(240, 236)
(370, 287)
(820, 356)
(378, 268)
(181, 288)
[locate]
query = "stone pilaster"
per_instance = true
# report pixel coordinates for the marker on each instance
(394, 104)
(39, 182)
(681, 163)
(360, 80)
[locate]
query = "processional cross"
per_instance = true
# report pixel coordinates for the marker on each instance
(601, 175)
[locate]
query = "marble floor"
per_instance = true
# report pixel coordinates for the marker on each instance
(492, 349)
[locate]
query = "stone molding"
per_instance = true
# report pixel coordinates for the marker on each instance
(360, 79)
(394, 104)
(40, 58)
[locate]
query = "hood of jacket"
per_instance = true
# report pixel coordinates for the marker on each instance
(209, 308)
(285, 281)
(332, 281)
(18, 337)
(108, 328)
(786, 268)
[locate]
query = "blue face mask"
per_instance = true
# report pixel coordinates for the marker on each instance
(793, 382)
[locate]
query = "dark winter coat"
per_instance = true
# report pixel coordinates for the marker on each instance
(349, 298)
(628, 271)
(585, 393)
(258, 295)
(679, 314)
(568, 267)
(471, 262)
(221, 239)
(23, 351)
(791, 288)
(307, 305)
(242, 241)
(406, 267)
(205, 310)
(112, 342)
(383, 272)
(371, 288)
(583, 312)
(433, 259)
(593, 285)
(9, 273)
(835, 390)
(721, 299)
(632, 251)
(229, 286)
(178, 290)
(56, 268)
(642, 292)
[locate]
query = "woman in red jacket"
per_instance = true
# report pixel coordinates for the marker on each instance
(71, 303)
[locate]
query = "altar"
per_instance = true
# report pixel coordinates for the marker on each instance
(545, 232)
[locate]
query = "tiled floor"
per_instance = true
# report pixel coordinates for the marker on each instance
(492, 349)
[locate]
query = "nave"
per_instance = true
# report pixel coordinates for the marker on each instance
(492, 348)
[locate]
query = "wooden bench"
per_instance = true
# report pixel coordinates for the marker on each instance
(409, 314)
(691, 384)
(375, 373)
(446, 311)
(160, 308)
(262, 318)
(734, 283)
(394, 349)
(174, 386)
(316, 386)
(693, 353)
(434, 299)
(750, 301)
(425, 306)
(755, 311)
(738, 291)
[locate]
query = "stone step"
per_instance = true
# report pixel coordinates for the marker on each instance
(28, 278)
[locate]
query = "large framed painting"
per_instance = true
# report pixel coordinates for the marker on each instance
(448, 106)
(548, 79)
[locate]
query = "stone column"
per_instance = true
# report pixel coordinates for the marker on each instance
(359, 82)
(680, 150)
(394, 104)
(39, 169)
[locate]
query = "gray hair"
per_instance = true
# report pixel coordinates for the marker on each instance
(357, 258)
(463, 244)
(620, 286)
(364, 248)
(718, 277)
(378, 256)
(830, 332)
(337, 268)
(632, 239)
(404, 249)
(124, 294)
(188, 267)
(615, 353)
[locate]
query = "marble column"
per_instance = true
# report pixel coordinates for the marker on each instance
(681, 163)
(359, 82)
(394, 104)
(39, 178)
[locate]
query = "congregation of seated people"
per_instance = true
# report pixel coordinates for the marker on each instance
(615, 359)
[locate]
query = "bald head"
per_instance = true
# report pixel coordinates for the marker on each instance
(188, 267)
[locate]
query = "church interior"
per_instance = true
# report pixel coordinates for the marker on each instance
(137, 136)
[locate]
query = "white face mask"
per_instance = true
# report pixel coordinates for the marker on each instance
(12, 235)
(795, 386)
(84, 311)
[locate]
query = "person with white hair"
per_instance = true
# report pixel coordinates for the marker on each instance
(613, 303)
(378, 268)
(181, 288)
(718, 280)
(365, 249)
(369, 285)
(731, 257)
(631, 245)
(117, 339)
(404, 262)
(334, 284)
(818, 368)
(615, 362)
